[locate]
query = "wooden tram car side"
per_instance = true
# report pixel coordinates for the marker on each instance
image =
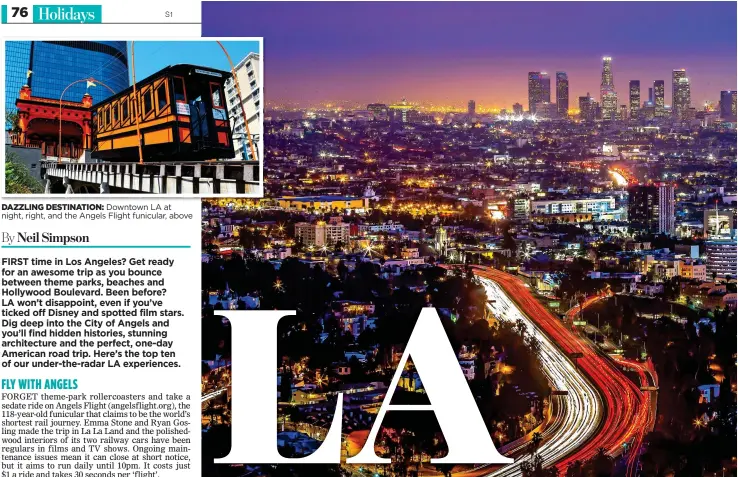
(183, 116)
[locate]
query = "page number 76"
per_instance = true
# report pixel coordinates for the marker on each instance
(23, 11)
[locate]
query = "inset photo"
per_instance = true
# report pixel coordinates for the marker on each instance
(177, 118)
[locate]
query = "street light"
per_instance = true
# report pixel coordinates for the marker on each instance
(89, 80)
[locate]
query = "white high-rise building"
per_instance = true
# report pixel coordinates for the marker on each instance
(248, 72)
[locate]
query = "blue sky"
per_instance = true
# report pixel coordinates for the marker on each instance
(151, 56)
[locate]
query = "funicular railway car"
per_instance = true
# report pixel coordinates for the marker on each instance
(182, 115)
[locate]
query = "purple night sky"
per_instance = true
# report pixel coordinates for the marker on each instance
(448, 53)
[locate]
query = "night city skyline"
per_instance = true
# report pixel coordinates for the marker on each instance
(507, 166)
(444, 54)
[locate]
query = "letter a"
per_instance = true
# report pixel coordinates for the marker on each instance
(450, 399)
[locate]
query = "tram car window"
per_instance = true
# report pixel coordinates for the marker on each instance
(182, 116)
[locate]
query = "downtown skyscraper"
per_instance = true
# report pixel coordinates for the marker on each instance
(608, 96)
(658, 97)
(634, 91)
(49, 67)
(562, 94)
(681, 99)
(539, 89)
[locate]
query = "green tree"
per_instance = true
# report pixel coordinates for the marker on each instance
(12, 121)
(18, 178)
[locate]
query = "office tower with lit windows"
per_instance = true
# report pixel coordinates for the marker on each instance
(721, 258)
(608, 96)
(587, 108)
(652, 208)
(471, 108)
(609, 105)
(634, 89)
(562, 94)
(727, 106)
(517, 109)
(681, 96)
(49, 67)
(658, 97)
(539, 89)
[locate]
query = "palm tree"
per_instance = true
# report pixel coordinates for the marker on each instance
(535, 442)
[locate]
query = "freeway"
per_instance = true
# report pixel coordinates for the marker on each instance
(648, 379)
(579, 410)
(622, 418)
(649, 383)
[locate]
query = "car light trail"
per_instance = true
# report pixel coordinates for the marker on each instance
(648, 378)
(580, 409)
(619, 179)
(622, 417)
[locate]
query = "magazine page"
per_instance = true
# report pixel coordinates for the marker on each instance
(311, 239)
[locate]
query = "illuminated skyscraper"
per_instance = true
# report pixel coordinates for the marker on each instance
(676, 75)
(607, 82)
(472, 108)
(609, 105)
(608, 96)
(727, 106)
(658, 97)
(539, 89)
(634, 89)
(652, 208)
(562, 94)
(680, 91)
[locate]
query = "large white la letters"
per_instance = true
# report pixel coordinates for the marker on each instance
(254, 413)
